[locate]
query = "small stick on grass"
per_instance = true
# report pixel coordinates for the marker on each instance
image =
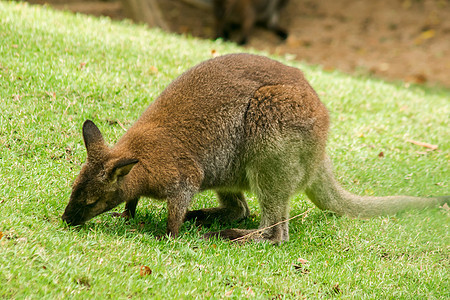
(422, 144)
(262, 229)
(121, 125)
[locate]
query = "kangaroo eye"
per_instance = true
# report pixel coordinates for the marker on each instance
(91, 201)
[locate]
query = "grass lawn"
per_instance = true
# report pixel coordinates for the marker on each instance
(58, 69)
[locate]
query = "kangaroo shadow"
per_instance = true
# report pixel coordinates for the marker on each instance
(151, 220)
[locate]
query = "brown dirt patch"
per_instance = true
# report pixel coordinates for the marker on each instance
(405, 40)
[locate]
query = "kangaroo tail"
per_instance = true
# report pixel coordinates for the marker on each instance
(327, 194)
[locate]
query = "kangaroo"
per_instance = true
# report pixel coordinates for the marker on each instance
(235, 123)
(247, 13)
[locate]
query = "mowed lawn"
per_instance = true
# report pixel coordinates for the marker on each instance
(58, 69)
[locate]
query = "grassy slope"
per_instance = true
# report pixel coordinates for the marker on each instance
(57, 69)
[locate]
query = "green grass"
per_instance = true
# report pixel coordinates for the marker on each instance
(58, 69)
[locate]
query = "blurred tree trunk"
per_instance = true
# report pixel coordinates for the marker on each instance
(146, 11)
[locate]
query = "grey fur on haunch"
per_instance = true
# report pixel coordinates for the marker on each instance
(233, 123)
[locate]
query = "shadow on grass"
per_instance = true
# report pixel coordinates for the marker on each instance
(151, 220)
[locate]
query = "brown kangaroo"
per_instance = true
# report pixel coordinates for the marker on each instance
(246, 14)
(233, 123)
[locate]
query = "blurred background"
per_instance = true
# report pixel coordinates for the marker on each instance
(406, 40)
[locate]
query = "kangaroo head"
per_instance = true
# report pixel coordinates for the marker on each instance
(99, 186)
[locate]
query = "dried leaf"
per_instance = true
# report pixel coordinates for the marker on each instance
(425, 35)
(82, 65)
(250, 292)
(1, 235)
(428, 34)
(145, 271)
(445, 207)
(381, 154)
(228, 293)
(214, 53)
(426, 145)
(51, 94)
(336, 289)
(302, 261)
(154, 70)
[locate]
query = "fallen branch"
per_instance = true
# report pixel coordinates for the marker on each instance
(422, 144)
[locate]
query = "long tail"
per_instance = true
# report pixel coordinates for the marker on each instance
(327, 194)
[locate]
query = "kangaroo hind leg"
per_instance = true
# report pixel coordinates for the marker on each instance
(273, 180)
(273, 192)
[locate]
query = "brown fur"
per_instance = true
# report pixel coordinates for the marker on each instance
(234, 123)
(247, 14)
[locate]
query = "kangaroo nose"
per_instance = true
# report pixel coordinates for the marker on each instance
(66, 219)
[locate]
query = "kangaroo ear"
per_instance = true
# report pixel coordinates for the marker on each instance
(93, 139)
(121, 168)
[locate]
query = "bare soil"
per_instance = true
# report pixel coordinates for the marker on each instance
(406, 40)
